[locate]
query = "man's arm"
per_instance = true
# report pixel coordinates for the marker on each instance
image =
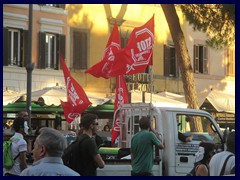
(22, 158)
(99, 161)
(161, 146)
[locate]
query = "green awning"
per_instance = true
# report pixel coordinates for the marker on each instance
(44, 109)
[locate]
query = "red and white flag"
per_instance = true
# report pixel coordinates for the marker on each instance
(102, 69)
(77, 100)
(121, 98)
(137, 55)
(71, 112)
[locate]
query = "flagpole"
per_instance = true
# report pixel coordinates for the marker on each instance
(151, 90)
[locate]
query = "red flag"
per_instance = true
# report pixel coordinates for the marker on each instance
(77, 100)
(102, 69)
(69, 112)
(138, 53)
(121, 97)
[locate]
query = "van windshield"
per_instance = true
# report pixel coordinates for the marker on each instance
(199, 126)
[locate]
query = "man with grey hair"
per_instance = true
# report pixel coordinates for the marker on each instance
(47, 152)
(222, 163)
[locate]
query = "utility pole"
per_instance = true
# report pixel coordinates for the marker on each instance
(30, 65)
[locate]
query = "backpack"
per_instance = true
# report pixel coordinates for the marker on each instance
(8, 160)
(71, 155)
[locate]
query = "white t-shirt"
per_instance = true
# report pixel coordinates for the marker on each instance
(217, 161)
(18, 146)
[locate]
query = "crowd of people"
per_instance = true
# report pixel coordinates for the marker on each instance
(50, 145)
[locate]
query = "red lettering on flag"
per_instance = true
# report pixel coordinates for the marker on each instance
(137, 55)
(103, 68)
(77, 100)
(121, 98)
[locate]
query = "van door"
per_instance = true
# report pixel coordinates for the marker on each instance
(200, 128)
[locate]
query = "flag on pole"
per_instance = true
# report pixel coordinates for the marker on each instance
(102, 69)
(137, 55)
(70, 113)
(77, 100)
(121, 97)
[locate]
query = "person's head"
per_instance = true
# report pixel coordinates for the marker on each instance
(144, 123)
(49, 143)
(89, 122)
(106, 128)
(231, 142)
(24, 115)
(18, 125)
(205, 152)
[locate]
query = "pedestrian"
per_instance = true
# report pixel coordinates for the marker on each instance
(48, 149)
(24, 115)
(90, 157)
(205, 152)
(223, 162)
(98, 139)
(106, 128)
(142, 148)
(18, 149)
(185, 138)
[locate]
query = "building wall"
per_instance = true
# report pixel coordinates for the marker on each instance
(15, 78)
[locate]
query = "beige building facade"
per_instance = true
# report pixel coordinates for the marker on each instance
(80, 32)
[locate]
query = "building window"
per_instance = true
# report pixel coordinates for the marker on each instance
(15, 42)
(14, 46)
(54, 5)
(51, 46)
(200, 59)
(170, 62)
(79, 48)
(231, 62)
(50, 55)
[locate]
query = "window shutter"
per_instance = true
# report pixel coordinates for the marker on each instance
(196, 58)
(24, 48)
(166, 60)
(205, 60)
(6, 50)
(83, 54)
(79, 50)
(76, 49)
(61, 42)
(62, 6)
(42, 50)
(21, 49)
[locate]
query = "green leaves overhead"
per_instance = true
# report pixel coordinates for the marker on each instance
(217, 20)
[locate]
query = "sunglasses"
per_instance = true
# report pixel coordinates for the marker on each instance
(95, 123)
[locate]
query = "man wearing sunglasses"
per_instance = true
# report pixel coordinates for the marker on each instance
(88, 151)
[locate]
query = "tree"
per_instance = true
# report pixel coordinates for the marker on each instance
(182, 54)
(217, 20)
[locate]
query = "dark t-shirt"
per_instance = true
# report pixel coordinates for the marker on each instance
(88, 149)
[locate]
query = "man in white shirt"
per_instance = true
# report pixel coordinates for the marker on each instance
(217, 162)
(19, 149)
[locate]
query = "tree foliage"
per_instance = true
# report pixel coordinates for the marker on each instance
(217, 20)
